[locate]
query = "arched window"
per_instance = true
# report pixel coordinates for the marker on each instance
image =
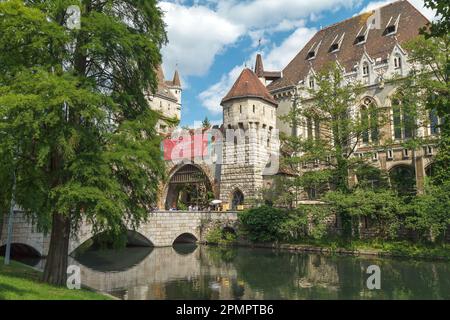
(237, 199)
(309, 127)
(404, 123)
(369, 121)
(434, 122)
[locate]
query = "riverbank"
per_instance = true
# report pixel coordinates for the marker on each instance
(402, 249)
(21, 282)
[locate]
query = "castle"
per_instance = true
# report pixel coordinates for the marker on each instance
(368, 48)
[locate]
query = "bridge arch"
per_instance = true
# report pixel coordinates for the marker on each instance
(133, 238)
(21, 250)
(185, 237)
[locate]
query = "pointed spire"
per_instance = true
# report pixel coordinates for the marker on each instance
(259, 68)
(176, 79)
(160, 74)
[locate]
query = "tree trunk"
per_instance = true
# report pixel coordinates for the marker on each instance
(55, 271)
(2, 217)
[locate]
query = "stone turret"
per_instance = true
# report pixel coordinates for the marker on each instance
(249, 114)
(166, 100)
(175, 86)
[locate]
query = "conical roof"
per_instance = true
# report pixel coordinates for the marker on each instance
(248, 85)
(176, 79)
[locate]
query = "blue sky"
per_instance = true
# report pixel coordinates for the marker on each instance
(212, 40)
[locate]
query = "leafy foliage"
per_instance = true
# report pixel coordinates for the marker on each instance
(431, 216)
(221, 236)
(381, 206)
(262, 224)
(75, 124)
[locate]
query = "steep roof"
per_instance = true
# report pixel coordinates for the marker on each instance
(378, 45)
(163, 88)
(248, 85)
(176, 79)
(259, 67)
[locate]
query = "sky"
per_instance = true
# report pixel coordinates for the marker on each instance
(211, 41)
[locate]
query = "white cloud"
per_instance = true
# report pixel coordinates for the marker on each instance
(419, 4)
(278, 57)
(196, 35)
(275, 58)
(265, 13)
(375, 5)
(199, 32)
(211, 97)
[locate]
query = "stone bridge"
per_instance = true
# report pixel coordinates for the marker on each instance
(162, 229)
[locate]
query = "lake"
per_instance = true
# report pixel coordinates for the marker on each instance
(188, 271)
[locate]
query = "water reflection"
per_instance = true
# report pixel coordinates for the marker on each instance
(114, 260)
(190, 272)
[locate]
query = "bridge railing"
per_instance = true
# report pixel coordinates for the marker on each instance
(203, 213)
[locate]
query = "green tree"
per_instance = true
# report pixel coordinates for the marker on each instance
(433, 51)
(74, 120)
(206, 124)
(336, 134)
(441, 25)
(431, 216)
(425, 95)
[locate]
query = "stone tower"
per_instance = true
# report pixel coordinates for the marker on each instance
(249, 123)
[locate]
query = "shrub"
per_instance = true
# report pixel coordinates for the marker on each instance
(262, 224)
(221, 236)
(383, 207)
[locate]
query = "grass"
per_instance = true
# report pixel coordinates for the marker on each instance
(395, 248)
(21, 282)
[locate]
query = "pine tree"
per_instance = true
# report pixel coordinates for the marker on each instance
(74, 121)
(206, 124)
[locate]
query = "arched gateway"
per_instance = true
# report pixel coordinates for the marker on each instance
(188, 185)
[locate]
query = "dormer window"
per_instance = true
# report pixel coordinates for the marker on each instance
(397, 62)
(391, 26)
(360, 39)
(365, 69)
(390, 30)
(334, 47)
(311, 83)
(311, 55)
